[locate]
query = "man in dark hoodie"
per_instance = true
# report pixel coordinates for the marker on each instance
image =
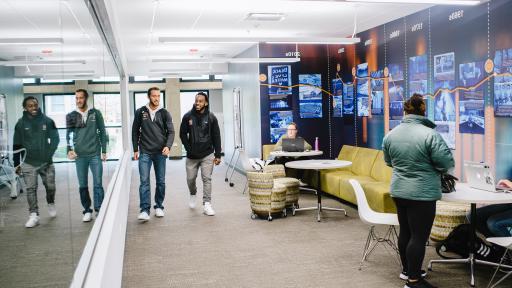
(88, 147)
(200, 134)
(38, 135)
(153, 133)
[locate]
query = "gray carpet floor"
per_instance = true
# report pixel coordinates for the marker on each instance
(188, 249)
(44, 256)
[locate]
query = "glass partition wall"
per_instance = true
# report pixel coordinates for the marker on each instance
(50, 49)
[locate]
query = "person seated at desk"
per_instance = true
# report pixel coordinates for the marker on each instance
(291, 133)
(495, 220)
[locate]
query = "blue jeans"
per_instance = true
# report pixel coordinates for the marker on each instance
(494, 220)
(83, 164)
(145, 161)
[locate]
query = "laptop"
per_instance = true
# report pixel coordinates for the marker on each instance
(479, 176)
(293, 145)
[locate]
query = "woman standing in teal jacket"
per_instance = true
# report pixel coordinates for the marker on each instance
(418, 156)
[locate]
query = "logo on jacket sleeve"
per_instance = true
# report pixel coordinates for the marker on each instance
(44, 127)
(190, 122)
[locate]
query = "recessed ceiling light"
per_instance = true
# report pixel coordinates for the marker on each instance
(31, 41)
(42, 63)
(436, 2)
(255, 40)
(265, 17)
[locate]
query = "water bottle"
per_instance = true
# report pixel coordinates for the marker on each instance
(316, 143)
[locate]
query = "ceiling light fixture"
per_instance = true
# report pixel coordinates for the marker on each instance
(436, 2)
(42, 63)
(31, 41)
(83, 72)
(254, 40)
(265, 17)
(228, 60)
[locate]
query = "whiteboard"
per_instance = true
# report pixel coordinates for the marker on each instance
(237, 118)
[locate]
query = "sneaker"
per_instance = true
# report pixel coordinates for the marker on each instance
(52, 210)
(422, 283)
(159, 212)
(404, 275)
(87, 217)
(208, 210)
(33, 220)
(143, 216)
(192, 201)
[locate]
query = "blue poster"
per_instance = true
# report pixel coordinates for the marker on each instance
(444, 103)
(279, 121)
(418, 75)
(362, 90)
(471, 103)
(348, 99)
(279, 102)
(280, 75)
(396, 94)
(377, 92)
(503, 83)
(337, 98)
(310, 95)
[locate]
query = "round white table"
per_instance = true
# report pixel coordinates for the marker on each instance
(296, 154)
(465, 194)
(319, 165)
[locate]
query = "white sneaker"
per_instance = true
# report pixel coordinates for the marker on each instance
(87, 217)
(208, 210)
(33, 220)
(143, 216)
(192, 201)
(52, 210)
(159, 212)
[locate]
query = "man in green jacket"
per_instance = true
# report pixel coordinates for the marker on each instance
(87, 146)
(418, 156)
(38, 135)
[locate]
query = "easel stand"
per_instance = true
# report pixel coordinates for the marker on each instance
(232, 166)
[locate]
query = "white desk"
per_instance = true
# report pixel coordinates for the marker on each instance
(296, 154)
(468, 195)
(318, 165)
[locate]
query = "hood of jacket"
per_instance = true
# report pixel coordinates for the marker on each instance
(418, 119)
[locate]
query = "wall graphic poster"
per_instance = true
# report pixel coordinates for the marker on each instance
(280, 75)
(471, 103)
(363, 90)
(310, 95)
(503, 83)
(418, 75)
(444, 79)
(377, 92)
(447, 131)
(278, 102)
(279, 121)
(337, 98)
(396, 95)
(348, 99)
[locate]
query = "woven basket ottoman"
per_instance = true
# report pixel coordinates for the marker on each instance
(448, 216)
(267, 198)
(292, 191)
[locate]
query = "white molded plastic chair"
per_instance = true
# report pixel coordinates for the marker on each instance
(503, 242)
(373, 218)
(8, 176)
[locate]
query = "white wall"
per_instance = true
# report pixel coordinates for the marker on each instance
(13, 88)
(244, 76)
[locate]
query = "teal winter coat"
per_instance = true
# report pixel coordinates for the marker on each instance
(418, 156)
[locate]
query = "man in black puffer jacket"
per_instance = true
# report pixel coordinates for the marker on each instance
(38, 135)
(200, 134)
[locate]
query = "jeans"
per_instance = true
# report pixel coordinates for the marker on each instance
(47, 173)
(145, 162)
(494, 220)
(83, 164)
(416, 219)
(192, 167)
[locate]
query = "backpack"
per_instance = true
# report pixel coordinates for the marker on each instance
(458, 242)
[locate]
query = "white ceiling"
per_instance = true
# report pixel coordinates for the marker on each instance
(139, 38)
(223, 18)
(53, 19)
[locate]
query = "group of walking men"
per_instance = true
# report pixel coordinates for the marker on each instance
(36, 139)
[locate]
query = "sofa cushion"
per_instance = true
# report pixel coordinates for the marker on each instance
(380, 171)
(348, 153)
(346, 190)
(363, 162)
(265, 151)
(378, 197)
(330, 181)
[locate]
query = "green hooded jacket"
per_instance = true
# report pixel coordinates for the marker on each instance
(418, 156)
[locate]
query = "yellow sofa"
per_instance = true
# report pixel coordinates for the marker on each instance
(265, 151)
(369, 168)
